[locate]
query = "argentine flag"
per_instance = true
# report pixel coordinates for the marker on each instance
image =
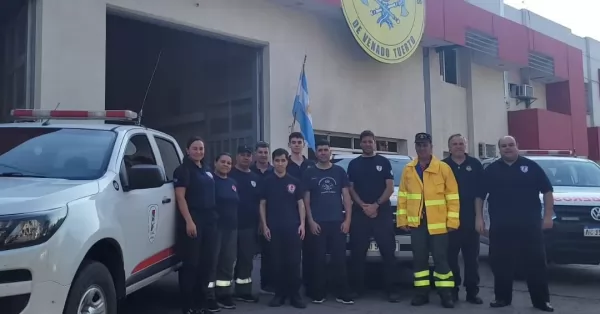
(301, 112)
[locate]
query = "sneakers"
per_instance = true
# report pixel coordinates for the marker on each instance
(318, 301)
(212, 306)
(248, 298)
(345, 300)
(226, 302)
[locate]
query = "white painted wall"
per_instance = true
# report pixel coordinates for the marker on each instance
(349, 91)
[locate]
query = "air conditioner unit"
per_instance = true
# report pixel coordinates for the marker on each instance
(486, 151)
(521, 91)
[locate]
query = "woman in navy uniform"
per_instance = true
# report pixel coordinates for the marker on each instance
(196, 227)
(226, 201)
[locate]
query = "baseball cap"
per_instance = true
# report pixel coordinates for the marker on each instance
(422, 138)
(244, 149)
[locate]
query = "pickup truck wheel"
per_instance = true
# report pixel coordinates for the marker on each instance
(92, 291)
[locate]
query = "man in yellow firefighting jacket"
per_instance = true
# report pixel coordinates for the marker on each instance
(428, 206)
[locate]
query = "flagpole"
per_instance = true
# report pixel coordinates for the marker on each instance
(299, 83)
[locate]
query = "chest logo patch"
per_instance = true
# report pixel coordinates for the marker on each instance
(234, 188)
(253, 183)
(469, 168)
(524, 169)
(291, 188)
(378, 168)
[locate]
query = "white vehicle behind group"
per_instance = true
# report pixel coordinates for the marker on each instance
(403, 247)
(87, 211)
(575, 237)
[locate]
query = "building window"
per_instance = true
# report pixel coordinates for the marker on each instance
(449, 66)
(351, 143)
(588, 98)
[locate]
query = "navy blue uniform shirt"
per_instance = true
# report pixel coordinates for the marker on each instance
(282, 196)
(325, 188)
(249, 193)
(199, 192)
(469, 176)
(514, 192)
(296, 170)
(368, 175)
(259, 172)
(226, 202)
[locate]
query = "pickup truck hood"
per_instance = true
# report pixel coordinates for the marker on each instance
(28, 195)
(576, 196)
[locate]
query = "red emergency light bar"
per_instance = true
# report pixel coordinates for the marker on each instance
(539, 152)
(37, 114)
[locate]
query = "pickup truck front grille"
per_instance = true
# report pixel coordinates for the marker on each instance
(576, 214)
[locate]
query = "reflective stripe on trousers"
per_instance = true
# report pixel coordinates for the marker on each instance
(223, 283)
(243, 281)
(422, 278)
(444, 280)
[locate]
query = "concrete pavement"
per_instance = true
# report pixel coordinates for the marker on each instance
(575, 289)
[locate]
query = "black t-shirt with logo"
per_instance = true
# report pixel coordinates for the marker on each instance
(514, 192)
(226, 202)
(200, 191)
(249, 193)
(368, 175)
(281, 195)
(325, 188)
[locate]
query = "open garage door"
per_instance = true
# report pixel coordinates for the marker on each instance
(203, 86)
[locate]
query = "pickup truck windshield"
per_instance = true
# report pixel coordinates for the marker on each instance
(50, 152)
(571, 172)
(397, 166)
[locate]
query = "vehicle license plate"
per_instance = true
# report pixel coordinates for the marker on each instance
(375, 248)
(591, 232)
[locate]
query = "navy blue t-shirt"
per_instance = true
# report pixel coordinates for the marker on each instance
(259, 172)
(226, 202)
(325, 188)
(368, 175)
(297, 170)
(281, 195)
(200, 191)
(249, 193)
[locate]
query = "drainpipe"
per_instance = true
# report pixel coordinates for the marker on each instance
(590, 90)
(504, 73)
(427, 90)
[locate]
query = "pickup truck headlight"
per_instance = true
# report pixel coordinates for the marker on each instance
(17, 231)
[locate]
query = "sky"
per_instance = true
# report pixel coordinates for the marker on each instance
(581, 16)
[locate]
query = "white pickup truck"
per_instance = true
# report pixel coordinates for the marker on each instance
(87, 211)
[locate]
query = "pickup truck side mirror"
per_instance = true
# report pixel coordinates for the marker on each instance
(140, 177)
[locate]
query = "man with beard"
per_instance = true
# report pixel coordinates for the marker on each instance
(371, 185)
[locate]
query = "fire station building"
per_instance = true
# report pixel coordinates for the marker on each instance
(228, 70)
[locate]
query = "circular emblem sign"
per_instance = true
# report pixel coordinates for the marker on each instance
(388, 30)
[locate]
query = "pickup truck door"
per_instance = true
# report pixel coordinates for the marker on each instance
(169, 157)
(139, 211)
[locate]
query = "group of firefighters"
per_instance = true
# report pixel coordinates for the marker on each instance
(304, 210)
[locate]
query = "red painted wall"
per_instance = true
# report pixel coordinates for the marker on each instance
(537, 129)
(594, 143)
